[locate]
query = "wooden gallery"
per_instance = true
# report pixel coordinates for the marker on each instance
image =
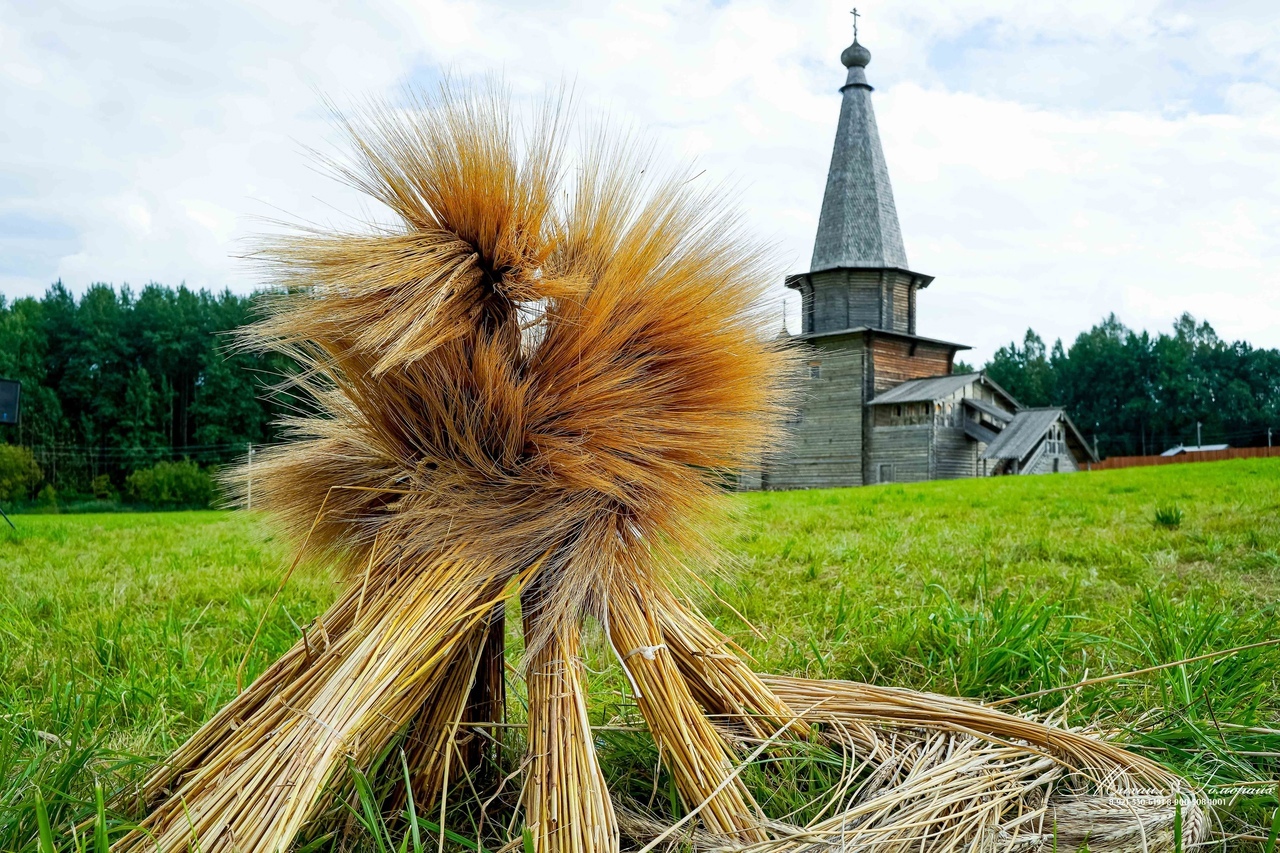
(880, 402)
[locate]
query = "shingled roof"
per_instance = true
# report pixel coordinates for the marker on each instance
(858, 226)
(1026, 429)
(926, 390)
(1022, 434)
(936, 387)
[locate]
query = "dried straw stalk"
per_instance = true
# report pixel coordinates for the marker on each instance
(533, 383)
(698, 757)
(566, 805)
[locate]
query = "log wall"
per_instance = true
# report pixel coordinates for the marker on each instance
(955, 454)
(909, 449)
(825, 447)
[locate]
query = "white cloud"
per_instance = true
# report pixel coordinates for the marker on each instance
(1050, 219)
(1052, 162)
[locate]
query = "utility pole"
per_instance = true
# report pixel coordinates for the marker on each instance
(249, 476)
(1268, 436)
(1199, 443)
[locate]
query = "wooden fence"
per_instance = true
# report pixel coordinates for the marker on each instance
(1206, 456)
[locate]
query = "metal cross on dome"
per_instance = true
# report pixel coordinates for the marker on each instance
(855, 14)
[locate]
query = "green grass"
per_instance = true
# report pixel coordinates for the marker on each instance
(120, 633)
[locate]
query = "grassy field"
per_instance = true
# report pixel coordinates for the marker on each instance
(120, 633)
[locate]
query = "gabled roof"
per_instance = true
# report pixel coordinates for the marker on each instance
(858, 226)
(1026, 429)
(937, 387)
(926, 390)
(1022, 434)
(978, 432)
(990, 409)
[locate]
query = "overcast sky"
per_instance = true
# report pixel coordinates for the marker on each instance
(1052, 162)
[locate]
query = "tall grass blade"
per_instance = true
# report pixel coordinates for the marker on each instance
(42, 820)
(1270, 846)
(412, 809)
(100, 843)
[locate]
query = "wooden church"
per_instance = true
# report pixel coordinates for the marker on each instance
(880, 402)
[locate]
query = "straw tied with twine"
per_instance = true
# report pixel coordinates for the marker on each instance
(531, 386)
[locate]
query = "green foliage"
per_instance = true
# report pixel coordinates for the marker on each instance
(170, 485)
(48, 498)
(42, 820)
(1141, 394)
(116, 381)
(1025, 372)
(101, 487)
(413, 825)
(1006, 638)
(1168, 515)
(19, 473)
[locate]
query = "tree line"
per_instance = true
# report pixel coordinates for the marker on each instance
(116, 381)
(1139, 394)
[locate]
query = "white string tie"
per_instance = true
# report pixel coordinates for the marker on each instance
(647, 652)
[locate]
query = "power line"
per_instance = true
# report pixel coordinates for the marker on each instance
(117, 450)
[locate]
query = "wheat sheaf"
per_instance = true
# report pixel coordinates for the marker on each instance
(532, 389)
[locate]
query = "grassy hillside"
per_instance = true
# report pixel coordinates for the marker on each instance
(120, 633)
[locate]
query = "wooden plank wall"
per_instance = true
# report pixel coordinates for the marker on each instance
(907, 448)
(825, 447)
(911, 312)
(893, 362)
(955, 454)
(864, 297)
(831, 308)
(901, 302)
(843, 299)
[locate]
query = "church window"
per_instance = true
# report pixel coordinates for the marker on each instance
(815, 370)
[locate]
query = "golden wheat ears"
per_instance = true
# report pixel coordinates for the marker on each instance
(533, 385)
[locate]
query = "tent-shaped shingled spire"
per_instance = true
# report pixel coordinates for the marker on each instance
(858, 227)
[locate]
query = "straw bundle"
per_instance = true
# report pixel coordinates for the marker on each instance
(532, 386)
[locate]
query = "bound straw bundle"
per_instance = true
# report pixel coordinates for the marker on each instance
(532, 385)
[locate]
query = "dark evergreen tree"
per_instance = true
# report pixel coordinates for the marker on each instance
(1024, 372)
(113, 382)
(1138, 395)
